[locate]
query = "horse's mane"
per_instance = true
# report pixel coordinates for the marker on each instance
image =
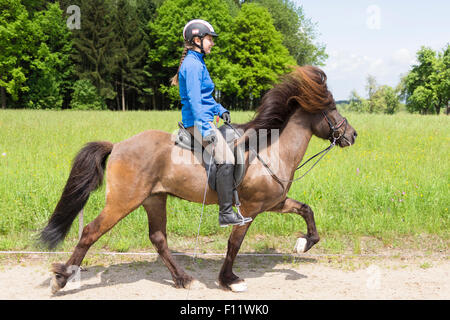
(305, 87)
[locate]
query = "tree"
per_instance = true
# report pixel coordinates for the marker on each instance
(34, 6)
(371, 88)
(386, 100)
(15, 29)
(131, 51)
(96, 47)
(356, 102)
(166, 39)
(441, 79)
(34, 54)
(299, 32)
(51, 70)
(257, 52)
(381, 99)
(427, 85)
(86, 97)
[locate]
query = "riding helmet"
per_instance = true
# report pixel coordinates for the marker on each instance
(197, 28)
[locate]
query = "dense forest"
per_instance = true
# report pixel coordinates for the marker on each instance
(121, 54)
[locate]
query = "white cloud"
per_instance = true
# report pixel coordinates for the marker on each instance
(345, 63)
(403, 57)
(349, 70)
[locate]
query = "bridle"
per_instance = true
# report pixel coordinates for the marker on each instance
(334, 136)
(334, 128)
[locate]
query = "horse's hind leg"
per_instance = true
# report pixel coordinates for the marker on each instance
(91, 233)
(107, 219)
(293, 206)
(120, 201)
(155, 206)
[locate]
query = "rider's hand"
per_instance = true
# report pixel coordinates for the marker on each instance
(226, 117)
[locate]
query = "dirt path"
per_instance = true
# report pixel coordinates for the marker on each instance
(274, 278)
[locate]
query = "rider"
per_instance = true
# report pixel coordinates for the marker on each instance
(199, 109)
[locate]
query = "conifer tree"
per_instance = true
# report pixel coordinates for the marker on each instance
(95, 46)
(131, 52)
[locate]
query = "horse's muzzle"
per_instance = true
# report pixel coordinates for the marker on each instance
(348, 138)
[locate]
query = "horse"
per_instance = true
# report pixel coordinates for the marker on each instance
(139, 171)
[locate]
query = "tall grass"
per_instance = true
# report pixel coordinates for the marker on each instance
(393, 182)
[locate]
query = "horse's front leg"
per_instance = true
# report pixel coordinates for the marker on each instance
(227, 279)
(289, 205)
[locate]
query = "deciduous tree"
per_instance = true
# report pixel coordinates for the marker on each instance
(299, 32)
(257, 51)
(427, 85)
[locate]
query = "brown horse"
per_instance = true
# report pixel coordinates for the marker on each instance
(140, 172)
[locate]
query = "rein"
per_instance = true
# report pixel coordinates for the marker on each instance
(333, 138)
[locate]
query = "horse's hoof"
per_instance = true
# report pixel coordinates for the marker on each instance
(59, 278)
(300, 245)
(240, 286)
(184, 282)
(54, 286)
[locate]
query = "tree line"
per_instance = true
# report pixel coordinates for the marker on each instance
(424, 89)
(121, 54)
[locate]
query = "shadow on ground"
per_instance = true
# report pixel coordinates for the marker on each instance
(203, 268)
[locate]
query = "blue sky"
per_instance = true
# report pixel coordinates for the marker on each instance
(379, 38)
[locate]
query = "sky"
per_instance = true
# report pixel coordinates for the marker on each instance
(378, 38)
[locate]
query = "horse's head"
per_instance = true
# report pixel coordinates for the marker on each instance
(329, 124)
(304, 90)
(314, 97)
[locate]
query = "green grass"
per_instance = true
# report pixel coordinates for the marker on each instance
(392, 184)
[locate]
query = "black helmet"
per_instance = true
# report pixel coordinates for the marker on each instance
(197, 28)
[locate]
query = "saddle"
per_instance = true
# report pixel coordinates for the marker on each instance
(185, 140)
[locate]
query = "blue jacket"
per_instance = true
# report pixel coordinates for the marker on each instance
(196, 88)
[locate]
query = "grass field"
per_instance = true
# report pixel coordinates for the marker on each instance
(392, 185)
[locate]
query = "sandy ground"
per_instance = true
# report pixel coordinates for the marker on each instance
(273, 278)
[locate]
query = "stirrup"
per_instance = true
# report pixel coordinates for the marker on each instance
(240, 220)
(239, 214)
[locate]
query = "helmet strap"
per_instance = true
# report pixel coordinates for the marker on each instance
(199, 46)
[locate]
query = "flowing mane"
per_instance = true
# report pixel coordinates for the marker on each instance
(305, 87)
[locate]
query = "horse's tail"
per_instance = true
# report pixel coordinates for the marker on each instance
(86, 176)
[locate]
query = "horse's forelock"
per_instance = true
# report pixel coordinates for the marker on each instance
(313, 94)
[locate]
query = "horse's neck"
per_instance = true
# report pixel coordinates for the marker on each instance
(293, 141)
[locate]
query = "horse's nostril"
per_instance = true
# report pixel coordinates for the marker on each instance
(355, 134)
